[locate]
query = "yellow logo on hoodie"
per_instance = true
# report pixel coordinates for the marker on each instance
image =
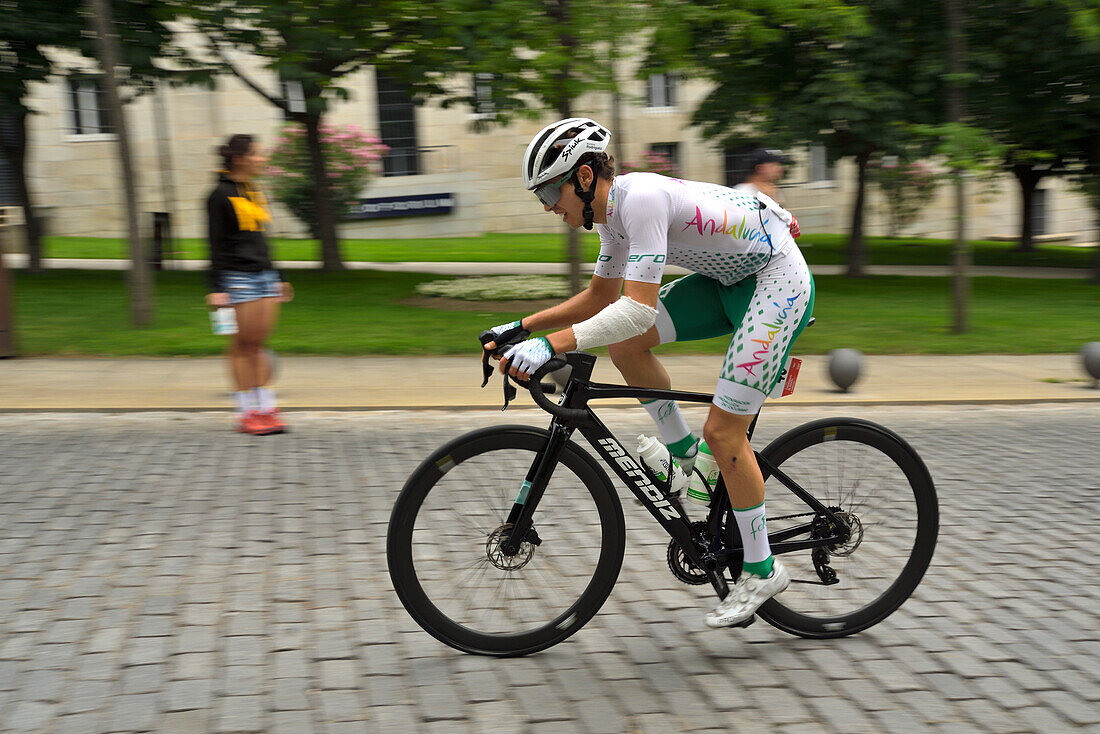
(251, 212)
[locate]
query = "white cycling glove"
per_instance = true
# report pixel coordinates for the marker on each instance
(529, 355)
(496, 331)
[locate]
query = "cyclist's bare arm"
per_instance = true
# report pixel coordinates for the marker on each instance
(643, 293)
(597, 296)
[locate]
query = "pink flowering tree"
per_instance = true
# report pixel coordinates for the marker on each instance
(351, 159)
(653, 162)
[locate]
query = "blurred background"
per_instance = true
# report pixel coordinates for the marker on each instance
(935, 135)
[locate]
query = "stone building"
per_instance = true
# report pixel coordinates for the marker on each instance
(436, 158)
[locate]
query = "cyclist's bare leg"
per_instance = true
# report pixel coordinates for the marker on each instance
(641, 368)
(637, 364)
(762, 576)
(726, 435)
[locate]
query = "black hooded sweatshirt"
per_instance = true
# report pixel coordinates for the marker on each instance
(236, 213)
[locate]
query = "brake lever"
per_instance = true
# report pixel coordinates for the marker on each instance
(507, 339)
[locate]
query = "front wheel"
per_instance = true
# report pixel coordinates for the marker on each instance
(882, 492)
(445, 553)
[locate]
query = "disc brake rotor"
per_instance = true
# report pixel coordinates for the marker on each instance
(499, 558)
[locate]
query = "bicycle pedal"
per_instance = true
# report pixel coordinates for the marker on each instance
(746, 623)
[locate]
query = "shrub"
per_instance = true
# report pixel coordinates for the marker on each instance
(498, 288)
(351, 158)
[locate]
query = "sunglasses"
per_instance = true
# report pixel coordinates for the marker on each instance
(550, 192)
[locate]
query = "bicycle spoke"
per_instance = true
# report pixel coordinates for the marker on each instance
(861, 480)
(467, 510)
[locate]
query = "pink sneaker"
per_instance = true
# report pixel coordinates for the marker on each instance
(275, 419)
(256, 423)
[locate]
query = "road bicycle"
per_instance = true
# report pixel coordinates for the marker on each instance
(507, 540)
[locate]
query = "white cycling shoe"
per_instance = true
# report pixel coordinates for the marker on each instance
(747, 595)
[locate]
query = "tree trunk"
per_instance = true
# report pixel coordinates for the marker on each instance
(618, 140)
(956, 109)
(1029, 179)
(13, 141)
(857, 248)
(141, 282)
(7, 333)
(322, 198)
(559, 11)
(961, 280)
(1096, 250)
(1096, 205)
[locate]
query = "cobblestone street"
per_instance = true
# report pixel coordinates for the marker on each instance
(161, 573)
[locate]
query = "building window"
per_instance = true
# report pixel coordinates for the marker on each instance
(737, 165)
(397, 126)
(661, 90)
(295, 98)
(483, 94)
(1039, 212)
(88, 102)
(821, 169)
(670, 151)
(8, 191)
(8, 185)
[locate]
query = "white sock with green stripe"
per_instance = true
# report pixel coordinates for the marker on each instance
(674, 429)
(752, 522)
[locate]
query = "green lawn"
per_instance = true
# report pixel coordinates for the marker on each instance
(85, 313)
(820, 249)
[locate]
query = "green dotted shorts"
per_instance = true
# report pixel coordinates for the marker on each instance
(765, 313)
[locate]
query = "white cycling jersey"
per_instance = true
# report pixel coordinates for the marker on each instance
(653, 220)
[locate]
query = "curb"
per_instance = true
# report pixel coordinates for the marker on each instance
(534, 408)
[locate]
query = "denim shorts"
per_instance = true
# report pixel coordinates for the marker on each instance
(243, 287)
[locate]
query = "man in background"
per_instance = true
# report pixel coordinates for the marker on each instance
(765, 171)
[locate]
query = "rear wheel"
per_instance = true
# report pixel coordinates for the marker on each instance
(445, 554)
(883, 495)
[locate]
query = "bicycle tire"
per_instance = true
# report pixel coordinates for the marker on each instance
(803, 453)
(584, 477)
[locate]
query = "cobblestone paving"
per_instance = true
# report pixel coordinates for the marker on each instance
(160, 573)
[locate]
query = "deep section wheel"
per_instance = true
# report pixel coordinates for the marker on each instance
(460, 579)
(885, 524)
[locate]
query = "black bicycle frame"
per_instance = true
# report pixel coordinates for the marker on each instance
(668, 512)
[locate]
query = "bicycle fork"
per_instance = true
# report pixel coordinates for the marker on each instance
(532, 489)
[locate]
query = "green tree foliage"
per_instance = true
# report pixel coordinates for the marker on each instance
(28, 28)
(315, 45)
(549, 54)
(1085, 22)
(1032, 70)
(841, 74)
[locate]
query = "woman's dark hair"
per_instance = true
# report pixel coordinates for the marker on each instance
(237, 145)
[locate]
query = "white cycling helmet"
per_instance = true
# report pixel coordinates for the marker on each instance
(556, 152)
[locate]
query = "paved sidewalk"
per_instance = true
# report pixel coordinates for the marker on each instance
(366, 383)
(163, 574)
(524, 268)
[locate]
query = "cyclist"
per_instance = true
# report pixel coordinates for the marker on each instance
(749, 279)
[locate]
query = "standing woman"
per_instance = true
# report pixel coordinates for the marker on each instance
(242, 276)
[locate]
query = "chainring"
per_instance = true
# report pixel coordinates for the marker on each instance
(680, 565)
